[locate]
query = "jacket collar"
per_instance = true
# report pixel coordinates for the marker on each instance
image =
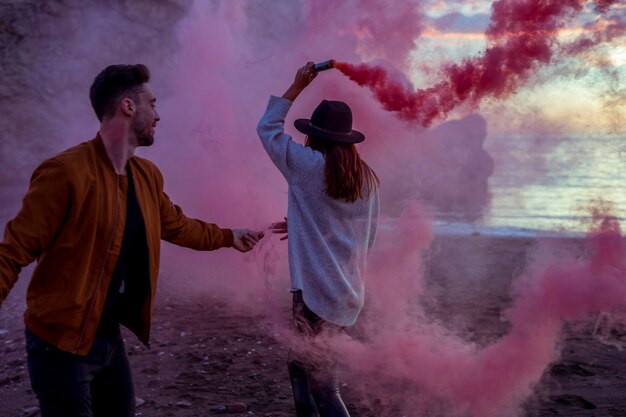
(101, 151)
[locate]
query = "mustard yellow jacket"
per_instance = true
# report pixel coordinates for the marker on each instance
(72, 222)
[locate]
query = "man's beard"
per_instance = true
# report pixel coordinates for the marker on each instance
(142, 133)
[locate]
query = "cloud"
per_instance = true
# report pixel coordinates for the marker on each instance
(461, 23)
(441, 7)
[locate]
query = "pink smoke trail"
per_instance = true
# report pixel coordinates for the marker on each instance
(489, 381)
(521, 35)
(602, 31)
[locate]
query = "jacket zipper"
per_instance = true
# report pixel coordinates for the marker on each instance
(104, 263)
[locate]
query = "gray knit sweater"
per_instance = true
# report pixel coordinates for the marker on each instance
(329, 239)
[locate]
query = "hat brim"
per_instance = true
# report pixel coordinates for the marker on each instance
(305, 126)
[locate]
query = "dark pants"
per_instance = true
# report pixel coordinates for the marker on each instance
(68, 385)
(314, 380)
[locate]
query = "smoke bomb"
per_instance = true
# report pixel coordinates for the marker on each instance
(323, 66)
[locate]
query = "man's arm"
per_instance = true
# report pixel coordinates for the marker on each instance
(185, 231)
(196, 234)
(30, 233)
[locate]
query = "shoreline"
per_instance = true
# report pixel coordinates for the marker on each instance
(464, 230)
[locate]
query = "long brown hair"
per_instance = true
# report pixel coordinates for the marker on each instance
(344, 169)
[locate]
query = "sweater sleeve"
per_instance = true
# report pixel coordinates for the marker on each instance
(34, 228)
(292, 159)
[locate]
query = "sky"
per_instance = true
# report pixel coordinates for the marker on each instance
(582, 96)
(456, 29)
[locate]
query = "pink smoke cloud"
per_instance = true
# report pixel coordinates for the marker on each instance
(218, 91)
(430, 369)
(521, 37)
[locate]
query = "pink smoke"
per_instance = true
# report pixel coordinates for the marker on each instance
(232, 55)
(432, 369)
(217, 93)
(604, 30)
(521, 37)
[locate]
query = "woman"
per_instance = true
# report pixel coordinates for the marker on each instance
(332, 213)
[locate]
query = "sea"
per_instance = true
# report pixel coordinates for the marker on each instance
(543, 185)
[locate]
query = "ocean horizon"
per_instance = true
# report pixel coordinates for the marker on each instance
(551, 185)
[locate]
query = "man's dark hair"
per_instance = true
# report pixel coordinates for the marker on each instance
(114, 83)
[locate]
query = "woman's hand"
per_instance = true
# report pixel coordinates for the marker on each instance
(303, 78)
(280, 228)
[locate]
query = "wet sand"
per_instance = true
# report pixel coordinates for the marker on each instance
(210, 358)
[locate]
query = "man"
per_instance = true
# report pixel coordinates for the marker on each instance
(93, 218)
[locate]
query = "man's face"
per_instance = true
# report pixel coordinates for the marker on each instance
(146, 117)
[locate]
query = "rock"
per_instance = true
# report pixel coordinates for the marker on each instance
(218, 409)
(236, 408)
(30, 411)
(183, 404)
(33, 37)
(574, 401)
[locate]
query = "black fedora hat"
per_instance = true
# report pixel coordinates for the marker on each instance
(330, 120)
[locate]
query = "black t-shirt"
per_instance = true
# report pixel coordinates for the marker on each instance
(130, 283)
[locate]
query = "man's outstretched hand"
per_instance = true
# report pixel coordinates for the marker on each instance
(244, 239)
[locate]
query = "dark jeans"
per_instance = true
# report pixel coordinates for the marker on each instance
(68, 385)
(314, 381)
